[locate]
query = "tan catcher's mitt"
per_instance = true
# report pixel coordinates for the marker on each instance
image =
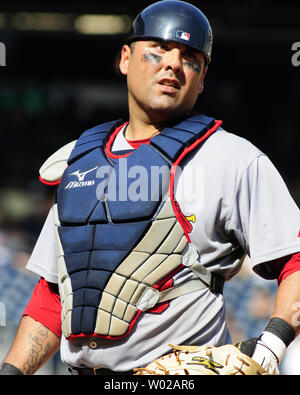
(203, 360)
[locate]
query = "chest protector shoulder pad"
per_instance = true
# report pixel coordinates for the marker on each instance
(120, 233)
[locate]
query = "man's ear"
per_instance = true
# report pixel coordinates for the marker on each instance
(202, 80)
(124, 59)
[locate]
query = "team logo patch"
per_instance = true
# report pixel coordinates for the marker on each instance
(191, 220)
(183, 35)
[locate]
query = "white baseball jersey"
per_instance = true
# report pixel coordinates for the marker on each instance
(237, 203)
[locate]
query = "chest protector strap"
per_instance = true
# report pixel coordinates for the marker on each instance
(116, 254)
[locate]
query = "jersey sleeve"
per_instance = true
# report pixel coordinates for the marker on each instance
(265, 219)
(43, 261)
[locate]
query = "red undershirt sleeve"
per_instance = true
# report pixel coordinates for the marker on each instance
(45, 306)
(290, 267)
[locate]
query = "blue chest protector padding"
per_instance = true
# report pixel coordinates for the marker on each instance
(104, 213)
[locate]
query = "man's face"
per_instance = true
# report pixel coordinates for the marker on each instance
(164, 78)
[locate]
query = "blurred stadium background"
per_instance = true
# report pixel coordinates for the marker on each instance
(59, 80)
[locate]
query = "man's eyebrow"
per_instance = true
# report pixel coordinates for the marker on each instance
(159, 41)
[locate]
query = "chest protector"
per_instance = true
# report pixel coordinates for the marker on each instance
(120, 233)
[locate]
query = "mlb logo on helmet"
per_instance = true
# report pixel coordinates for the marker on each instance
(183, 35)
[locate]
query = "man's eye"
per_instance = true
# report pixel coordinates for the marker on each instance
(189, 55)
(160, 46)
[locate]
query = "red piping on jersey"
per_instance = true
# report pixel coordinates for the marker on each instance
(165, 279)
(180, 217)
(136, 143)
(110, 142)
(50, 183)
(95, 335)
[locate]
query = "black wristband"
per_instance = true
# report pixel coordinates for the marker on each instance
(281, 329)
(10, 370)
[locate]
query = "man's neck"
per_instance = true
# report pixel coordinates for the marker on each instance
(139, 130)
(144, 125)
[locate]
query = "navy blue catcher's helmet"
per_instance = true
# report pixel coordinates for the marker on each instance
(176, 21)
(173, 20)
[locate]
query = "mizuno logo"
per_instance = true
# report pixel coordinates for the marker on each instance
(207, 363)
(82, 175)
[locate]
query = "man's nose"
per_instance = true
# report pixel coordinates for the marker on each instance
(173, 60)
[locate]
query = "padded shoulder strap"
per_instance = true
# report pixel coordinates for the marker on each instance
(92, 139)
(172, 140)
(54, 167)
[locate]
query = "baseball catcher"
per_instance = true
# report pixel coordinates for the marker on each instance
(151, 216)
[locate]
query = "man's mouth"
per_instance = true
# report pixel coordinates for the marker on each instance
(170, 82)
